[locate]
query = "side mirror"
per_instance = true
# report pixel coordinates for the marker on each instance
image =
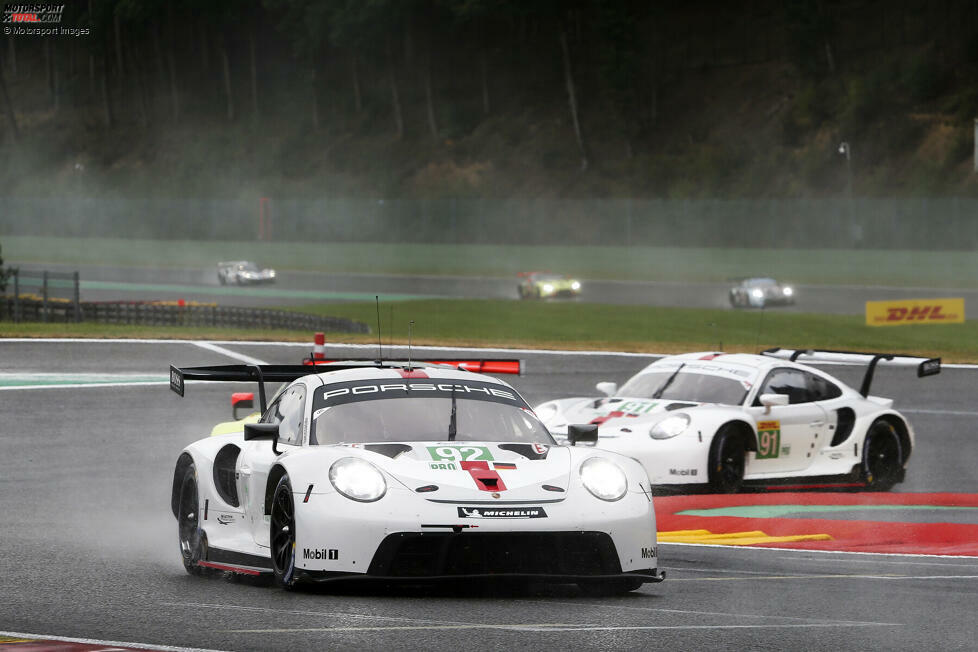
(771, 400)
(253, 431)
(241, 401)
(584, 433)
(606, 388)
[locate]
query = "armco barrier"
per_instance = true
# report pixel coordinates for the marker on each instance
(157, 314)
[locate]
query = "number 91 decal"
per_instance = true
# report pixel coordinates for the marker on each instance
(768, 439)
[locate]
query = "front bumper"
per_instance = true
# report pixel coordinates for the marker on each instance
(552, 557)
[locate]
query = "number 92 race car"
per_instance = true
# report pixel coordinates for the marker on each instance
(416, 472)
(737, 420)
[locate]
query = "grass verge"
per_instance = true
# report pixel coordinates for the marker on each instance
(514, 324)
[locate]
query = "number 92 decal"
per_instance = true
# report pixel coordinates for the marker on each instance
(460, 453)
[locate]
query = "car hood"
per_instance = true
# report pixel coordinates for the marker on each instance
(614, 413)
(475, 471)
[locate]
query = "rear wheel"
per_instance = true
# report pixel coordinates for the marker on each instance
(728, 455)
(193, 541)
(882, 456)
(599, 588)
(282, 534)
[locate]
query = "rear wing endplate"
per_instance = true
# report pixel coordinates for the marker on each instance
(925, 366)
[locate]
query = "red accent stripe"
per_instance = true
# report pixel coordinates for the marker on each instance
(711, 356)
(413, 373)
(827, 485)
(228, 567)
(485, 479)
(477, 366)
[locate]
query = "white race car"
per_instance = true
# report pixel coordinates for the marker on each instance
(393, 471)
(735, 420)
(243, 272)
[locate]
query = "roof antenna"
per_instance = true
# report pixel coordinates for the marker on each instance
(380, 345)
(760, 327)
(410, 326)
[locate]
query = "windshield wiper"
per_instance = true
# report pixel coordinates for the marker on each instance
(665, 385)
(452, 423)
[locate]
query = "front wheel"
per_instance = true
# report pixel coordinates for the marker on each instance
(882, 456)
(282, 534)
(727, 461)
(193, 541)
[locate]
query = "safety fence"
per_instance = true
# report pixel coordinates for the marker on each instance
(28, 308)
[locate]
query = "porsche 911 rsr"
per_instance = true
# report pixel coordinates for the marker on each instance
(390, 471)
(761, 293)
(243, 272)
(734, 420)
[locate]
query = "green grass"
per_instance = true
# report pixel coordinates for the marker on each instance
(517, 324)
(951, 269)
(642, 328)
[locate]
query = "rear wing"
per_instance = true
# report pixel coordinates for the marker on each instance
(283, 373)
(925, 366)
(479, 366)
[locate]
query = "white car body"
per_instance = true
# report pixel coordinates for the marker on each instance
(243, 272)
(500, 500)
(817, 433)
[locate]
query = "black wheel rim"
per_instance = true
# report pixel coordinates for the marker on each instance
(283, 531)
(189, 519)
(882, 456)
(730, 465)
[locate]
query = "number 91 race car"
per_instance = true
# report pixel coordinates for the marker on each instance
(729, 421)
(416, 472)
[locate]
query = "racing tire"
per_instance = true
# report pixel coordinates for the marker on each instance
(882, 456)
(734, 303)
(221, 279)
(727, 461)
(282, 534)
(193, 540)
(606, 588)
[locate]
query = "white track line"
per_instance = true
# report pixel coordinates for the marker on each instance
(94, 641)
(240, 357)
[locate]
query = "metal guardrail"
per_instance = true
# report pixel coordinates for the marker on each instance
(48, 280)
(136, 313)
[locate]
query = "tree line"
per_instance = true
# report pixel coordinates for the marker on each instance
(157, 61)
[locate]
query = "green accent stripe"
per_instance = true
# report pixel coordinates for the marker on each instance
(35, 380)
(779, 511)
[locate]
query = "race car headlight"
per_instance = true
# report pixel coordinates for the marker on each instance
(603, 478)
(787, 292)
(357, 480)
(757, 294)
(547, 288)
(547, 411)
(670, 427)
(575, 285)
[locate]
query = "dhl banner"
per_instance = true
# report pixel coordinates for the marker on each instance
(914, 311)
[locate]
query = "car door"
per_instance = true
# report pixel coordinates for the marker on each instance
(787, 435)
(287, 411)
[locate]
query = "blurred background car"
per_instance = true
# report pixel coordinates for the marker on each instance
(761, 293)
(243, 272)
(544, 285)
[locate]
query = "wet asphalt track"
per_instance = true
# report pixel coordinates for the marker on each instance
(297, 288)
(89, 546)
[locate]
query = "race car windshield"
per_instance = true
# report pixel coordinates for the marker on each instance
(425, 419)
(685, 386)
(248, 267)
